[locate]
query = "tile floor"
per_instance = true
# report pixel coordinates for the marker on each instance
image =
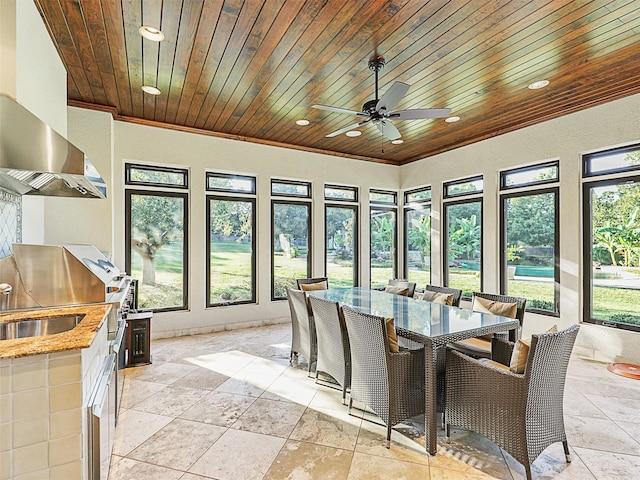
(228, 406)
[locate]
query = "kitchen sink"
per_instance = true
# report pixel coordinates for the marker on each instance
(38, 327)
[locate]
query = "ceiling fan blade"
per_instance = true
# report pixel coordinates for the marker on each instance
(388, 129)
(347, 128)
(339, 110)
(392, 97)
(420, 113)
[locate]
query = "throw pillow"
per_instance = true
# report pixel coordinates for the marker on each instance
(391, 333)
(397, 290)
(503, 309)
(435, 297)
(521, 353)
(307, 287)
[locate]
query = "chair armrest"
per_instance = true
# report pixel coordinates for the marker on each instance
(501, 351)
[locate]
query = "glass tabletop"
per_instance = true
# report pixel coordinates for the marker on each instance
(424, 318)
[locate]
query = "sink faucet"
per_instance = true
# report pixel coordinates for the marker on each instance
(5, 290)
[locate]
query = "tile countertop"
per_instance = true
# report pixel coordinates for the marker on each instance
(78, 337)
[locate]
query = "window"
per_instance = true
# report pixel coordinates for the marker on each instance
(530, 263)
(290, 236)
(611, 209)
(156, 233)
(231, 240)
(463, 235)
(383, 233)
(341, 235)
(156, 176)
(417, 238)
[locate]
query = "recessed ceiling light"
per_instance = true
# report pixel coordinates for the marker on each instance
(354, 133)
(451, 119)
(151, 33)
(397, 141)
(302, 122)
(151, 90)
(538, 84)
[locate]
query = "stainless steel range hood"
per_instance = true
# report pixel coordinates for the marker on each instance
(37, 160)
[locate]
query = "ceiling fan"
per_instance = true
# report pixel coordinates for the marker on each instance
(380, 111)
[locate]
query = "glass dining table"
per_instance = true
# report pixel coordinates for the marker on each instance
(430, 324)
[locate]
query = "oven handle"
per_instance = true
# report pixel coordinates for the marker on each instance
(105, 380)
(122, 326)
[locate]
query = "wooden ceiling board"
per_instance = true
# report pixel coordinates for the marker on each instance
(248, 69)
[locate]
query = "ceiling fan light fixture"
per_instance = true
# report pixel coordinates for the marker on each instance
(302, 122)
(150, 89)
(539, 84)
(151, 33)
(353, 133)
(452, 119)
(397, 141)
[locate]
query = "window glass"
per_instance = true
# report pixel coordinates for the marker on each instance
(612, 252)
(422, 195)
(530, 245)
(163, 176)
(383, 246)
(231, 183)
(337, 192)
(459, 188)
(612, 161)
(290, 188)
(231, 250)
(341, 227)
(157, 234)
(464, 246)
(529, 176)
(381, 196)
(291, 258)
(417, 222)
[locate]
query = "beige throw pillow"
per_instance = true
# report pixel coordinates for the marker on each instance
(307, 287)
(521, 353)
(435, 297)
(503, 309)
(391, 333)
(397, 290)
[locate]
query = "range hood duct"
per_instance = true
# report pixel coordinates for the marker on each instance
(37, 160)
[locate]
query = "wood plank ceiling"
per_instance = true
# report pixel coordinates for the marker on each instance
(248, 69)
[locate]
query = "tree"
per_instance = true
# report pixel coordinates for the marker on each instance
(531, 220)
(381, 233)
(156, 221)
(464, 241)
(420, 236)
(231, 218)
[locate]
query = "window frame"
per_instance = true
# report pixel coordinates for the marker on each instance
(379, 191)
(504, 197)
(156, 168)
(587, 247)
(298, 183)
(348, 188)
(423, 204)
(477, 197)
(309, 205)
(394, 248)
(586, 158)
(446, 185)
(505, 173)
(356, 240)
(230, 176)
(253, 201)
(185, 253)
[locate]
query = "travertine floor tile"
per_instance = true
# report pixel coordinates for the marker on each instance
(610, 465)
(365, 467)
(333, 428)
(239, 455)
(128, 469)
(179, 444)
(134, 428)
(307, 461)
(135, 391)
(218, 408)
(202, 378)
(270, 417)
(599, 434)
(171, 401)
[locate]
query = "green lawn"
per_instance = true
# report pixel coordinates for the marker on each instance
(231, 281)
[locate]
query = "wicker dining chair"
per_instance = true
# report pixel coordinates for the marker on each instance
(312, 281)
(334, 357)
(522, 413)
(391, 384)
(456, 292)
(303, 331)
(480, 347)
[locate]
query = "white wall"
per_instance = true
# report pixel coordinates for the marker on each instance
(33, 74)
(566, 139)
(136, 143)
